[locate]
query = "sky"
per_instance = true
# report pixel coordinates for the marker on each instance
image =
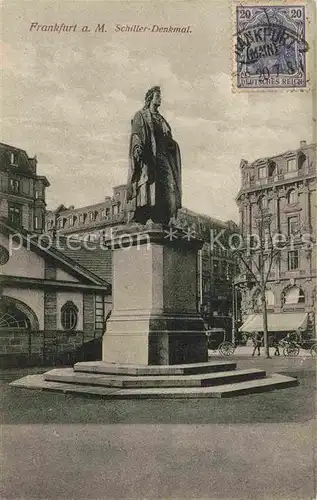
(68, 98)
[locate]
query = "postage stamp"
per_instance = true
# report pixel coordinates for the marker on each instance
(270, 46)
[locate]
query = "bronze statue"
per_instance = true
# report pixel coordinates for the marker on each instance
(154, 180)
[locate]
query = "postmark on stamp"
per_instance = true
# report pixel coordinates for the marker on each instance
(270, 47)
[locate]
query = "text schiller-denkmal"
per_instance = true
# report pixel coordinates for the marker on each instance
(154, 28)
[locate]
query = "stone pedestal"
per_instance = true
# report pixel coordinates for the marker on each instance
(155, 319)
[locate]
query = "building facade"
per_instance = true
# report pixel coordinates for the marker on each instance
(93, 221)
(22, 190)
(284, 188)
(54, 297)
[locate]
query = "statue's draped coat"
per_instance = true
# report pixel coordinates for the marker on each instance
(154, 181)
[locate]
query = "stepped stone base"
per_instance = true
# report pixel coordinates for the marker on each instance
(196, 380)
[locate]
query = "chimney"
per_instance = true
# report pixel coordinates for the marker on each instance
(302, 144)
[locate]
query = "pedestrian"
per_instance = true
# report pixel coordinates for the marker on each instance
(257, 341)
(276, 346)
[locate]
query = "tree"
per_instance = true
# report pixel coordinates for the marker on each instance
(256, 253)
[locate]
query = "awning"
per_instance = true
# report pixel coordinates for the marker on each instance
(279, 322)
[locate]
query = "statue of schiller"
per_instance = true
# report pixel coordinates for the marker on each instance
(154, 180)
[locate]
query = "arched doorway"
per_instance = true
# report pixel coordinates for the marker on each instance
(15, 314)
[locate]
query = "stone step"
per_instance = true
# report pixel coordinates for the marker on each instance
(136, 370)
(68, 375)
(271, 382)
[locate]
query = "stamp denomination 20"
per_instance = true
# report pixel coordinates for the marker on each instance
(270, 46)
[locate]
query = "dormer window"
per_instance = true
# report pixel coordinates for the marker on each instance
(292, 165)
(13, 159)
(61, 223)
(262, 172)
(272, 167)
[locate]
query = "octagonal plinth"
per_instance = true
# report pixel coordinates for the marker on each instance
(155, 318)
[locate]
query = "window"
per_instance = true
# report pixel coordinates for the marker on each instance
(292, 260)
(263, 202)
(13, 159)
(61, 223)
(294, 295)
(99, 312)
(262, 172)
(292, 165)
(69, 316)
(291, 197)
(14, 186)
(15, 215)
(293, 225)
(107, 212)
(272, 168)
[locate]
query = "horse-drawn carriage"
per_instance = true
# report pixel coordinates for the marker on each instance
(295, 341)
(217, 339)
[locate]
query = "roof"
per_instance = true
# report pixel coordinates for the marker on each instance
(92, 256)
(23, 163)
(264, 159)
(212, 220)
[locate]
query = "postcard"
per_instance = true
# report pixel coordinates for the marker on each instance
(158, 249)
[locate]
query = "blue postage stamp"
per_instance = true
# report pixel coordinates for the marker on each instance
(270, 46)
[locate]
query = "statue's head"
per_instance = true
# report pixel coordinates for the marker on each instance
(153, 93)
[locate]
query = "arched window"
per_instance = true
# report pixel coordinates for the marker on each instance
(69, 316)
(15, 314)
(294, 295)
(13, 318)
(291, 196)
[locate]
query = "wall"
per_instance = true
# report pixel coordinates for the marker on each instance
(3, 207)
(22, 262)
(63, 276)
